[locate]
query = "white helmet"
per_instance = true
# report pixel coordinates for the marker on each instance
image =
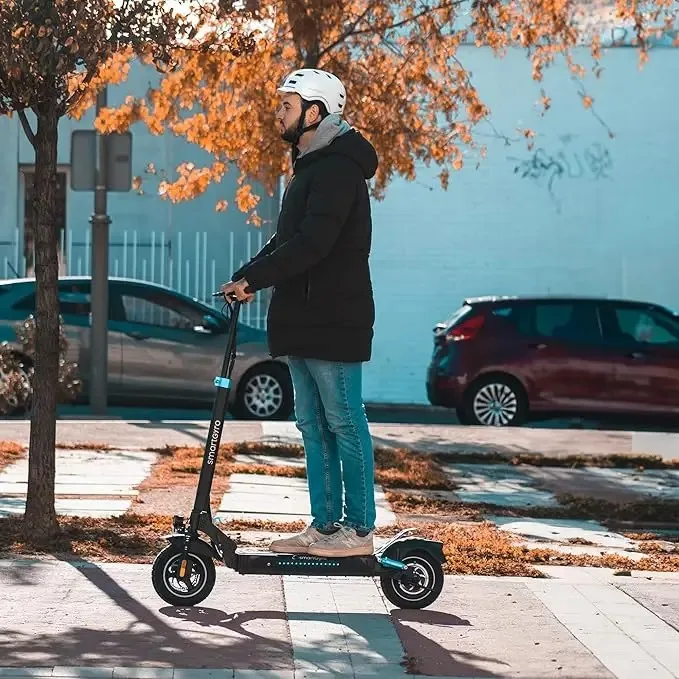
(314, 85)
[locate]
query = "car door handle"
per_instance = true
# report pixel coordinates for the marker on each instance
(636, 355)
(137, 335)
(537, 345)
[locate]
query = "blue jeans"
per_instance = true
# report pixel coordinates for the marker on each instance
(338, 446)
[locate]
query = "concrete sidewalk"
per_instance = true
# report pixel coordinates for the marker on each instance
(136, 434)
(98, 620)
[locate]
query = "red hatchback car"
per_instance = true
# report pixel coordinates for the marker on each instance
(500, 359)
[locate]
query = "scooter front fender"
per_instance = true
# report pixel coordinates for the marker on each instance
(196, 545)
(400, 549)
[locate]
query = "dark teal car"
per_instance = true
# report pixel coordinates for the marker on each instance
(163, 347)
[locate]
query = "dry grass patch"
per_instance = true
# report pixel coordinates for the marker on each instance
(129, 538)
(613, 461)
(570, 507)
(408, 503)
(87, 445)
(10, 452)
(178, 468)
(483, 549)
(649, 510)
(472, 549)
(403, 468)
(394, 467)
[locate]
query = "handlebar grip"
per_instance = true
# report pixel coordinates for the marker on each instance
(219, 293)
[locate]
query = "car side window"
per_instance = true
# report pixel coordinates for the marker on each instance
(74, 300)
(644, 326)
(159, 311)
(563, 321)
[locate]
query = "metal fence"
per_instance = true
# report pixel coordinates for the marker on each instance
(183, 262)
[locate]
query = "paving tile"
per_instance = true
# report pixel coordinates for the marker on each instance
(26, 671)
(70, 506)
(82, 472)
(664, 444)
(614, 485)
(562, 530)
(383, 670)
(500, 485)
(273, 460)
(259, 496)
(600, 617)
(109, 615)
(662, 600)
(281, 431)
(265, 674)
(21, 487)
(190, 673)
(487, 627)
(666, 653)
(339, 624)
(143, 672)
(85, 672)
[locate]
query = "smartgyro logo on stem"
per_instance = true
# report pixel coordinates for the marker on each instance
(212, 450)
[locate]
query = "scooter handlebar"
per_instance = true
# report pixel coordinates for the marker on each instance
(219, 293)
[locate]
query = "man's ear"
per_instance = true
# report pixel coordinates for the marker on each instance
(312, 114)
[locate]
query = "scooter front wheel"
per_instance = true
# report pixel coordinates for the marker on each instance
(182, 578)
(419, 586)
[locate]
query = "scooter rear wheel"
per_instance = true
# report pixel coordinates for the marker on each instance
(428, 575)
(182, 579)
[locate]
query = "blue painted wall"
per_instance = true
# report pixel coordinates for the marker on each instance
(603, 219)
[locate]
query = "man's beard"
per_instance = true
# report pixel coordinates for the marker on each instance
(289, 134)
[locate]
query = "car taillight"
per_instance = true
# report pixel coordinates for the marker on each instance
(466, 330)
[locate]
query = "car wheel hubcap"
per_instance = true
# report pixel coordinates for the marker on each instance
(263, 395)
(496, 405)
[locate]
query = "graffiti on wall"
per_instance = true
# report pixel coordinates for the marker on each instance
(568, 161)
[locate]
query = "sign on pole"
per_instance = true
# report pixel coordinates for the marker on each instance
(84, 159)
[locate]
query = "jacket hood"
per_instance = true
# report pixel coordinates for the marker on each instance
(335, 135)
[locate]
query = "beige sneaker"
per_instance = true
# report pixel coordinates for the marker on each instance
(297, 544)
(345, 542)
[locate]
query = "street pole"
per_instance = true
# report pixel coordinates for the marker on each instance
(99, 294)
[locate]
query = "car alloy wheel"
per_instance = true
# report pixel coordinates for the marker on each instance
(496, 404)
(263, 395)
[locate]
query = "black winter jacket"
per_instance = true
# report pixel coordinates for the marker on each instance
(317, 261)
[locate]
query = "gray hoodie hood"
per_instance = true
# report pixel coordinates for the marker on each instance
(336, 137)
(331, 126)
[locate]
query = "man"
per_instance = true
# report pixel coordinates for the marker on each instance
(322, 313)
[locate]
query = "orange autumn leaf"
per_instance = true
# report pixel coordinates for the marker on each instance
(407, 89)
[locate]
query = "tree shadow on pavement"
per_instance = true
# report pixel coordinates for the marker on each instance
(137, 637)
(416, 646)
(425, 654)
(19, 572)
(505, 441)
(82, 629)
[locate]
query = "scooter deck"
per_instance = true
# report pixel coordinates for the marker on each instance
(275, 563)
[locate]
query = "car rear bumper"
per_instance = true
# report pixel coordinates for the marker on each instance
(444, 390)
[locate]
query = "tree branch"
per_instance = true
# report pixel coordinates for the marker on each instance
(80, 91)
(383, 29)
(350, 30)
(304, 32)
(30, 135)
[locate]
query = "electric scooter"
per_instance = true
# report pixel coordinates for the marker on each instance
(410, 568)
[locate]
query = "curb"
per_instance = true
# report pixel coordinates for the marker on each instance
(384, 671)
